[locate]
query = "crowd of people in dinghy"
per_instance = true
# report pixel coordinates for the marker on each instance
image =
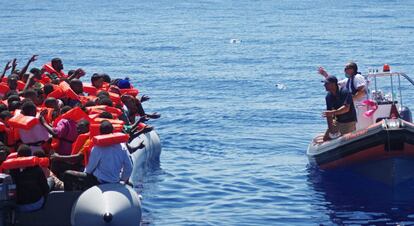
(58, 132)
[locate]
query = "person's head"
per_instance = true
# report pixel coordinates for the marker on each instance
(105, 114)
(102, 94)
(124, 83)
(29, 108)
(14, 105)
(39, 154)
(106, 78)
(12, 98)
(89, 103)
(5, 115)
(57, 64)
(331, 84)
(3, 107)
(106, 127)
(351, 69)
(105, 101)
(76, 85)
(71, 72)
(24, 151)
(36, 73)
(32, 95)
(51, 102)
(48, 88)
(97, 80)
(82, 126)
(65, 109)
(12, 81)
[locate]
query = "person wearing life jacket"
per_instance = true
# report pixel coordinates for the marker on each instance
(12, 84)
(65, 134)
(36, 136)
(107, 164)
(53, 181)
(81, 147)
(133, 108)
(33, 96)
(97, 80)
(11, 138)
(31, 184)
(55, 69)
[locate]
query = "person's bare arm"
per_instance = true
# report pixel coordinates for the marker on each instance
(24, 69)
(6, 68)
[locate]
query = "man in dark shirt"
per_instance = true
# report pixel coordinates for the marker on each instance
(339, 106)
(31, 184)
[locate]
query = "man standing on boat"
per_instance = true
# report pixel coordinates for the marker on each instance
(356, 85)
(339, 105)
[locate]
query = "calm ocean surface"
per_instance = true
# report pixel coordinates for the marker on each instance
(233, 143)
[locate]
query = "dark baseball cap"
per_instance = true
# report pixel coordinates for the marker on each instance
(330, 79)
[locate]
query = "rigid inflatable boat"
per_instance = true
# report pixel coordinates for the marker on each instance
(105, 204)
(384, 149)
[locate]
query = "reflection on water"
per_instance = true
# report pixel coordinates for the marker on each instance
(351, 199)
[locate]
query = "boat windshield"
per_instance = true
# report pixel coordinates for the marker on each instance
(387, 88)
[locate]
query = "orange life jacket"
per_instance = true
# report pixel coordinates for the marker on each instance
(23, 122)
(94, 128)
(76, 114)
(4, 88)
(79, 143)
(110, 139)
(20, 85)
(49, 69)
(131, 91)
(12, 155)
(22, 162)
(89, 89)
(68, 91)
(100, 108)
(56, 93)
(112, 121)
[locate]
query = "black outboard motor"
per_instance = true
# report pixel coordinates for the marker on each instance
(7, 198)
(405, 114)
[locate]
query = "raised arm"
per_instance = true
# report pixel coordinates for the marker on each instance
(44, 123)
(14, 64)
(6, 68)
(24, 69)
(323, 72)
(78, 73)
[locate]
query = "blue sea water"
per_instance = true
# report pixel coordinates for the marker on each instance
(236, 84)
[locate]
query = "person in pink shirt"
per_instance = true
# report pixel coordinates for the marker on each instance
(65, 131)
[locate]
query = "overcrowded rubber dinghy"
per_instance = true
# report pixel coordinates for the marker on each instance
(32, 113)
(383, 150)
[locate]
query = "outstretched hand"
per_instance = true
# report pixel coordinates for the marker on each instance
(144, 98)
(33, 58)
(322, 71)
(79, 72)
(14, 63)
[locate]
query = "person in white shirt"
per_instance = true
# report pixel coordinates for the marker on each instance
(107, 164)
(356, 84)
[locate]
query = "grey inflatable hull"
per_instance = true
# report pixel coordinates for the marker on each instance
(146, 156)
(106, 204)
